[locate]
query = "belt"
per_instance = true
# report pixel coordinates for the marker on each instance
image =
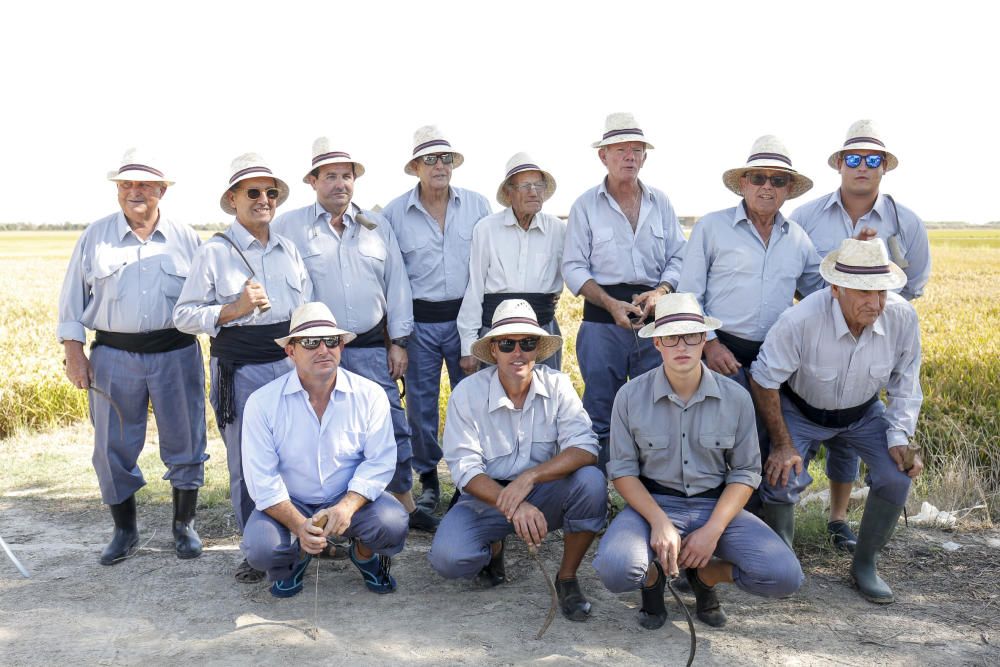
(827, 418)
(744, 350)
(374, 337)
(543, 304)
(436, 311)
(161, 340)
(655, 487)
(623, 292)
(242, 346)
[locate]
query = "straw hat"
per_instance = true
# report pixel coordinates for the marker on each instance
(136, 166)
(677, 314)
(864, 135)
(313, 319)
(515, 165)
(428, 140)
(325, 153)
(862, 265)
(768, 152)
(516, 317)
(620, 127)
(251, 165)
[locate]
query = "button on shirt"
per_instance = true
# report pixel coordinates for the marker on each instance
(218, 275)
(359, 275)
(118, 282)
(692, 447)
(812, 348)
(289, 453)
(437, 263)
(740, 280)
(507, 258)
(601, 246)
(485, 434)
(827, 224)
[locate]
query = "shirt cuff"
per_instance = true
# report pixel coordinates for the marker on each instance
(618, 469)
(468, 474)
(71, 331)
(747, 477)
(271, 500)
(367, 488)
(762, 379)
(896, 438)
(585, 446)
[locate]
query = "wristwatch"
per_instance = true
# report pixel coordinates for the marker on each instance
(402, 341)
(666, 286)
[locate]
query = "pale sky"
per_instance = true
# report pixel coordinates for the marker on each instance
(197, 83)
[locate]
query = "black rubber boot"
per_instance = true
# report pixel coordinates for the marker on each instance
(781, 519)
(187, 544)
(707, 607)
(430, 491)
(654, 613)
(125, 540)
(494, 573)
(841, 536)
(877, 525)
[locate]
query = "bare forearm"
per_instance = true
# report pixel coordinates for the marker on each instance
(768, 403)
(561, 465)
(731, 502)
(484, 488)
(229, 312)
(639, 499)
(595, 294)
(287, 515)
(353, 502)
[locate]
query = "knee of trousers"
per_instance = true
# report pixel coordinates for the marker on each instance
(890, 484)
(388, 528)
(841, 466)
(587, 495)
(263, 545)
(618, 569)
(456, 558)
(773, 572)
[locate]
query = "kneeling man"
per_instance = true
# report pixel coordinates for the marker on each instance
(521, 449)
(685, 458)
(318, 443)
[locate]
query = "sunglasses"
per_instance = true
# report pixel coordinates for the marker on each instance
(254, 193)
(527, 187)
(853, 160)
(689, 339)
(312, 343)
(506, 345)
(777, 180)
(447, 158)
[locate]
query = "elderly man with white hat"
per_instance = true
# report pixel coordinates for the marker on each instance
(243, 286)
(433, 223)
(123, 280)
(623, 250)
(318, 452)
(685, 458)
(357, 271)
(521, 449)
(818, 378)
(516, 254)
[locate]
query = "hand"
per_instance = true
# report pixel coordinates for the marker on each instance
(647, 302)
(469, 364)
(78, 368)
(312, 539)
(621, 310)
(780, 463)
(665, 542)
(697, 548)
(398, 360)
(900, 454)
(252, 297)
(719, 359)
(514, 494)
(529, 524)
(339, 518)
(866, 234)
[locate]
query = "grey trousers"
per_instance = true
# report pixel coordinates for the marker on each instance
(430, 344)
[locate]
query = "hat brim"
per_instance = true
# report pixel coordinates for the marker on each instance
(409, 170)
(679, 328)
(280, 184)
(359, 169)
(622, 139)
(550, 187)
(891, 162)
(894, 279)
(800, 184)
(137, 175)
(548, 344)
(319, 331)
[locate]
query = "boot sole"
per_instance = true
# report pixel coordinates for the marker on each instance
(132, 549)
(873, 599)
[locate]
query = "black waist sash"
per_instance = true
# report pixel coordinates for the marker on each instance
(744, 350)
(243, 346)
(655, 487)
(827, 418)
(543, 304)
(622, 292)
(161, 340)
(374, 337)
(436, 311)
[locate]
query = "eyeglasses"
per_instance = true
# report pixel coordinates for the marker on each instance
(312, 343)
(528, 187)
(254, 193)
(144, 186)
(506, 345)
(689, 339)
(853, 160)
(777, 180)
(447, 158)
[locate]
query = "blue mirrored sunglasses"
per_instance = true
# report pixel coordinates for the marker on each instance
(853, 160)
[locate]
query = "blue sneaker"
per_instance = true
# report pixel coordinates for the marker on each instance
(375, 572)
(286, 588)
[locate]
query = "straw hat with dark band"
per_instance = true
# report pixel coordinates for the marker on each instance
(515, 317)
(768, 152)
(862, 265)
(324, 152)
(863, 135)
(515, 165)
(678, 314)
(428, 140)
(621, 127)
(137, 167)
(251, 165)
(313, 319)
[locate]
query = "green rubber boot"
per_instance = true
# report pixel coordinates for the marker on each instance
(781, 519)
(877, 524)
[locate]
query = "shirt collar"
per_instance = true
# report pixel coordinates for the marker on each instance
(122, 228)
(707, 388)
(244, 239)
(536, 222)
(342, 385)
(840, 324)
(414, 199)
(646, 192)
(498, 396)
(321, 215)
(740, 215)
(878, 207)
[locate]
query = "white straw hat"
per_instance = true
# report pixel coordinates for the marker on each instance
(251, 165)
(427, 140)
(862, 265)
(515, 165)
(516, 317)
(620, 127)
(768, 152)
(136, 166)
(324, 152)
(313, 319)
(864, 135)
(677, 314)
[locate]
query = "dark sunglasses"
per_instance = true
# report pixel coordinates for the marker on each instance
(447, 158)
(254, 193)
(853, 160)
(506, 345)
(777, 180)
(690, 339)
(312, 343)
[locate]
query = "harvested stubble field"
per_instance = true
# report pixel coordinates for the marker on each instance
(158, 610)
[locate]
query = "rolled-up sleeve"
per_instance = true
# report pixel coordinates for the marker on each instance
(577, 248)
(462, 449)
(624, 455)
(903, 391)
(260, 455)
(74, 297)
(375, 472)
(743, 459)
(574, 425)
(779, 356)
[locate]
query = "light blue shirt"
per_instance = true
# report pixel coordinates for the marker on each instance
(601, 245)
(289, 453)
(218, 275)
(827, 224)
(437, 263)
(740, 280)
(360, 276)
(118, 282)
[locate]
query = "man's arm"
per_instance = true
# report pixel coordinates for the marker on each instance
(470, 315)
(783, 456)
(664, 539)
(699, 545)
(399, 301)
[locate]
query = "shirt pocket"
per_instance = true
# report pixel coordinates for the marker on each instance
(229, 287)
(603, 254)
(106, 276)
(715, 447)
(371, 246)
(544, 442)
(878, 377)
(349, 444)
(824, 377)
(174, 273)
(496, 446)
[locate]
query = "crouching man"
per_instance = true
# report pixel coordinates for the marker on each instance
(522, 450)
(318, 442)
(685, 458)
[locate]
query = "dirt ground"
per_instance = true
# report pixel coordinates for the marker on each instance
(154, 609)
